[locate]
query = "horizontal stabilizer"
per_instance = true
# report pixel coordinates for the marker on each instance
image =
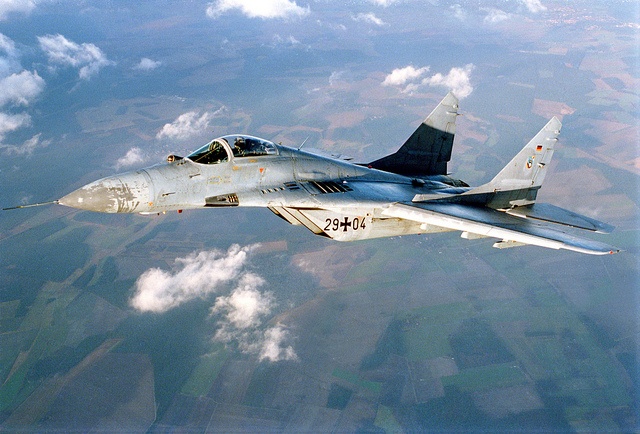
(554, 214)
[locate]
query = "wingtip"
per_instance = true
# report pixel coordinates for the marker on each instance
(606, 250)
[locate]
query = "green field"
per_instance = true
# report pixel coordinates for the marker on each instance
(486, 377)
(206, 372)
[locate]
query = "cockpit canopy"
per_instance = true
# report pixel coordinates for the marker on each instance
(218, 150)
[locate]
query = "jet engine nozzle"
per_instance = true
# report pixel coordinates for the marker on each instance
(126, 193)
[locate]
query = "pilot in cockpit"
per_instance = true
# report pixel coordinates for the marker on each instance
(239, 147)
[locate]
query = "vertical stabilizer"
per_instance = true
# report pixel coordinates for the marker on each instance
(428, 150)
(518, 182)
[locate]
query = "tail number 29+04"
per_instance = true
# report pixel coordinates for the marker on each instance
(335, 224)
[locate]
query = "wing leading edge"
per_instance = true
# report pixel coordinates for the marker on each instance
(487, 222)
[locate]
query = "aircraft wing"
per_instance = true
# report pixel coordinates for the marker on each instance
(479, 222)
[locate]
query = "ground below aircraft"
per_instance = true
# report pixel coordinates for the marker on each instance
(407, 192)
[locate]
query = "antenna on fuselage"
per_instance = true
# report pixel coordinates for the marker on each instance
(305, 141)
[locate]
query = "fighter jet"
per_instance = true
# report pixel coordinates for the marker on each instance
(407, 192)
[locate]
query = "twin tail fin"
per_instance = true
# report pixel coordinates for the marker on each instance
(428, 150)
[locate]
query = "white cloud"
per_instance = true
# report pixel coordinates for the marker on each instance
(147, 64)
(534, 6)
(88, 58)
(400, 76)
(271, 344)
(186, 125)
(241, 313)
(11, 122)
(331, 25)
(132, 157)
(384, 3)
(458, 12)
(274, 347)
(495, 15)
(7, 45)
(17, 86)
(9, 6)
(335, 77)
(197, 276)
(27, 147)
(289, 41)
(264, 9)
(245, 305)
(410, 79)
(20, 88)
(9, 62)
(457, 80)
(369, 18)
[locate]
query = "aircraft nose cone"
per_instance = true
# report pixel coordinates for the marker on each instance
(117, 194)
